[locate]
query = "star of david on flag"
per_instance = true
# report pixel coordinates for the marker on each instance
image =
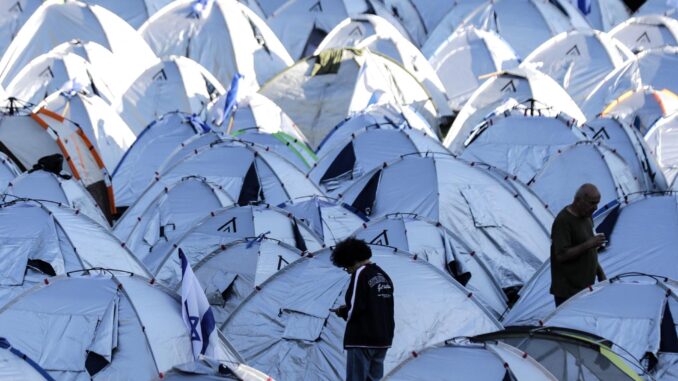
(196, 312)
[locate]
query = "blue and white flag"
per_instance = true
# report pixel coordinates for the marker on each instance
(196, 312)
(584, 6)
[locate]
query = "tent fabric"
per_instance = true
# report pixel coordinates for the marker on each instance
(442, 248)
(465, 57)
(319, 102)
(43, 185)
(236, 269)
(471, 361)
(660, 140)
(286, 330)
(509, 18)
(647, 32)
(111, 136)
(329, 219)
(211, 370)
(377, 34)
(135, 12)
(46, 239)
(251, 111)
(518, 142)
(27, 136)
(55, 22)
(301, 25)
(510, 239)
(578, 60)
(14, 18)
(642, 226)
(365, 150)
(569, 354)
(170, 214)
(628, 142)
(134, 326)
(657, 7)
(17, 366)
(8, 171)
(153, 145)
(643, 107)
(603, 15)
(222, 227)
(524, 84)
(208, 36)
(629, 311)
(384, 115)
(52, 71)
(287, 146)
(174, 84)
(654, 67)
(584, 162)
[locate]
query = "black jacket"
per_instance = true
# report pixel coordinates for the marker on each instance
(369, 309)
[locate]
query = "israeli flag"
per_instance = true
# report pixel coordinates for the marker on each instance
(196, 312)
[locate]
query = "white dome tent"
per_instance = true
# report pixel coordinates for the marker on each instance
(643, 107)
(56, 22)
(286, 329)
(19, 367)
(174, 84)
(43, 185)
(635, 312)
(334, 84)
(236, 269)
(105, 325)
(15, 15)
(647, 226)
(465, 57)
(54, 71)
(440, 247)
(585, 162)
(519, 85)
(524, 24)
(170, 214)
(43, 239)
(134, 12)
(205, 31)
(254, 174)
(365, 150)
(661, 139)
(377, 34)
(647, 32)
(470, 361)
(28, 136)
(384, 115)
(222, 227)
(153, 145)
(578, 60)
(568, 353)
(630, 145)
(331, 220)
(511, 240)
(111, 136)
(657, 68)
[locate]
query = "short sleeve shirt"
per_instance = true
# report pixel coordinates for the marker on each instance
(570, 277)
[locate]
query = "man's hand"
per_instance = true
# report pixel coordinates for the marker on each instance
(597, 240)
(341, 311)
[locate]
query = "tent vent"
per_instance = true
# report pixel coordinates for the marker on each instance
(95, 363)
(251, 187)
(668, 341)
(365, 200)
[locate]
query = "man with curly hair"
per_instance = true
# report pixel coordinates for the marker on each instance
(368, 311)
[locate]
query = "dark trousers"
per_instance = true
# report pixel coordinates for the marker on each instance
(559, 300)
(365, 364)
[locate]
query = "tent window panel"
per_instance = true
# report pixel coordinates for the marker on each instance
(481, 208)
(64, 339)
(300, 326)
(13, 259)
